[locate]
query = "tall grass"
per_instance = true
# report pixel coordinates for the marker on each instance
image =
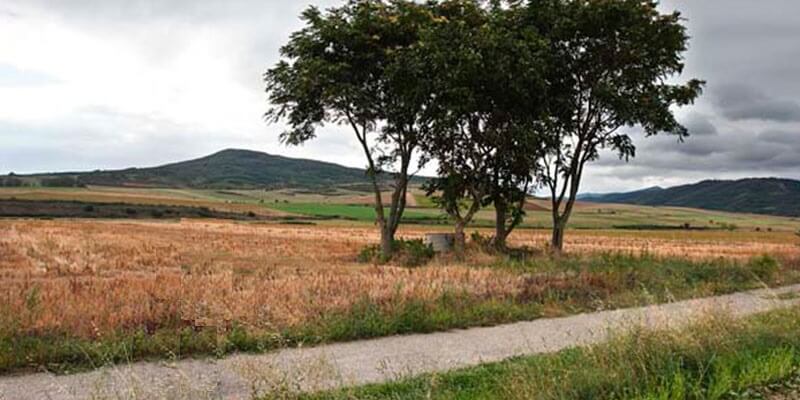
(716, 359)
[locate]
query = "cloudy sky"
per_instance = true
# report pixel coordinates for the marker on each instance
(101, 84)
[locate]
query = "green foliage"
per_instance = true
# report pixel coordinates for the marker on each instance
(611, 67)
(353, 65)
(486, 99)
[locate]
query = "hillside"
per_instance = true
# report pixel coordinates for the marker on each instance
(227, 169)
(770, 196)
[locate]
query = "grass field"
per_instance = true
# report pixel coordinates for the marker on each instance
(364, 213)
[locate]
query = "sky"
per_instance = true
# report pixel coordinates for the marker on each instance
(107, 84)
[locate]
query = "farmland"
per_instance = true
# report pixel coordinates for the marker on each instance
(354, 206)
(282, 269)
(80, 292)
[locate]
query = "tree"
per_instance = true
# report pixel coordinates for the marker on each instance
(350, 66)
(611, 61)
(484, 73)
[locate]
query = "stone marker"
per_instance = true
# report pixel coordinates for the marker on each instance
(441, 242)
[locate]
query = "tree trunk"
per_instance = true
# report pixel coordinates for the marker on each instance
(460, 241)
(500, 232)
(557, 243)
(387, 242)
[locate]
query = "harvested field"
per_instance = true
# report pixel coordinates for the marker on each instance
(88, 279)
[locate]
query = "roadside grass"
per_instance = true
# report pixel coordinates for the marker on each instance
(718, 358)
(546, 288)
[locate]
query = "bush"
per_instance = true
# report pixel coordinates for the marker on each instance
(408, 253)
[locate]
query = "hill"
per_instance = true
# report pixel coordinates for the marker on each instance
(769, 196)
(227, 169)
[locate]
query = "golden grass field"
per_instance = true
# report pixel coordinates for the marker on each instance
(89, 278)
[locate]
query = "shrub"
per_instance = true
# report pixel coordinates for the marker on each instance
(408, 253)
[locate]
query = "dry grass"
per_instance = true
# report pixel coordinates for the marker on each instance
(88, 278)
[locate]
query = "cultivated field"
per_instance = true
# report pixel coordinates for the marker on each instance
(208, 286)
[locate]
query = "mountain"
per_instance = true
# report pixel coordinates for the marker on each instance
(771, 196)
(227, 169)
(610, 197)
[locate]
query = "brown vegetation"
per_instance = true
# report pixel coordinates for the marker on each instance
(88, 278)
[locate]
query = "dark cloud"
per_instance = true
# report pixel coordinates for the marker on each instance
(699, 125)
(784, 137)
(739, 102)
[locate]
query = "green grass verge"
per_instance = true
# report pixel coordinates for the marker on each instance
(553, 287)
(717, 359)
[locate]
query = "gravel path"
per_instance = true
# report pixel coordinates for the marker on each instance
(379, 360)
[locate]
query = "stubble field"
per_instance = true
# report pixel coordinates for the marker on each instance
(89, 281)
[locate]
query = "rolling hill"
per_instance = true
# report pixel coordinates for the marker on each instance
(227, 169)
(769, 196)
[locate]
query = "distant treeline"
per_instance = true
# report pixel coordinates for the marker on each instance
(13, 180)
(76, 209)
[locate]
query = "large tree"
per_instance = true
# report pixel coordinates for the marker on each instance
(611, 66)
(350, 65)
(484, 67)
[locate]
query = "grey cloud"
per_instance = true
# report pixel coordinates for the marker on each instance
(781, 136)
(739, 102)
(750, 128)
(699, 125)
(741, 152)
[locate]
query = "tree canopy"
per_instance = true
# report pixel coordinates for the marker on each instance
(352, 65)
(611, 65)
(486, 77)
(504, 95)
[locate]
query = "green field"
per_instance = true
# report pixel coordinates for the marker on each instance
(353, 212)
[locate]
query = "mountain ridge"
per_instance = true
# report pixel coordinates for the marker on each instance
(225, 169)
(769, 196)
